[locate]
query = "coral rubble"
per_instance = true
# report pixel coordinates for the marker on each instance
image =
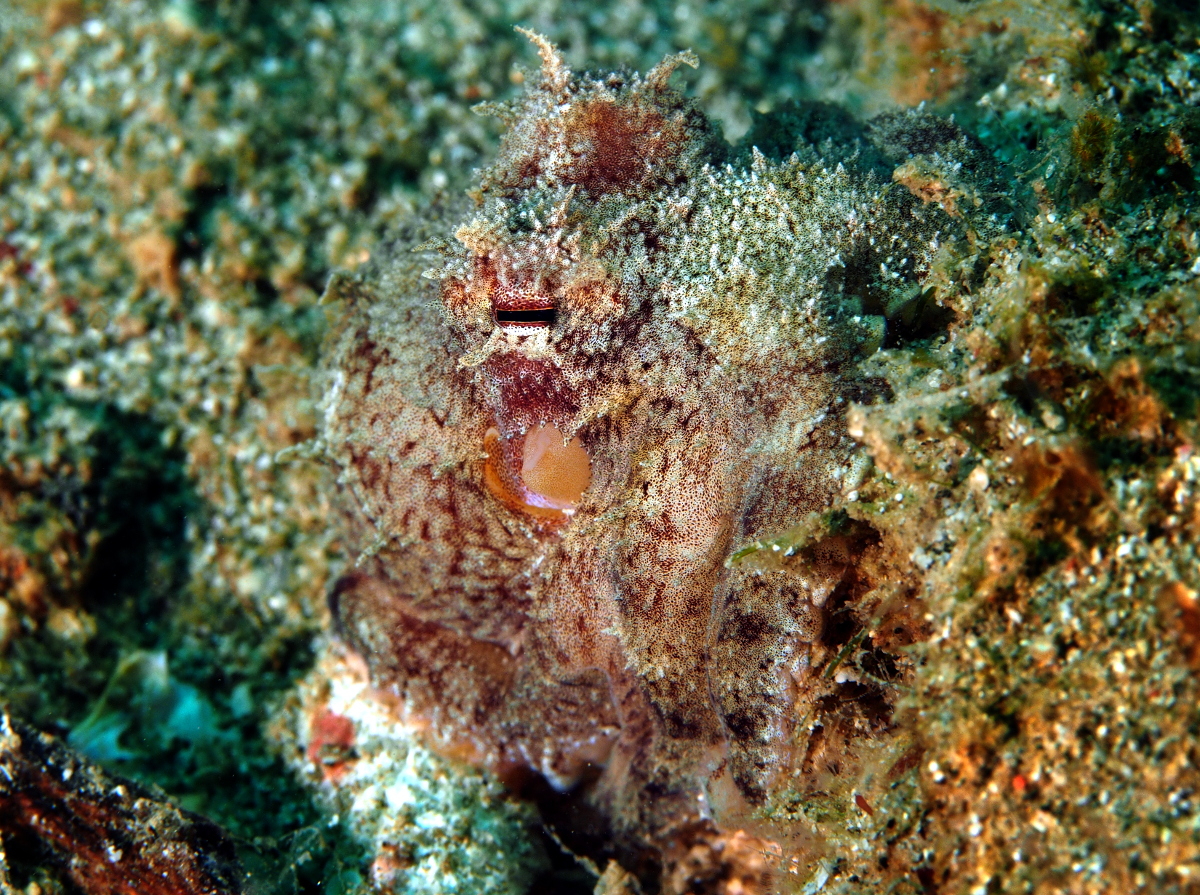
(430, 826)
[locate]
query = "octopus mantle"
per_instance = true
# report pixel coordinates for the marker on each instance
(559, 449)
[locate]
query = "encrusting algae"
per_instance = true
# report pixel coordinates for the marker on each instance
(558, 447)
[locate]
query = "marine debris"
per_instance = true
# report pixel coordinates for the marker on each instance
(108, 834)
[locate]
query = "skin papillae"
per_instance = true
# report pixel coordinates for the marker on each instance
(631, 362)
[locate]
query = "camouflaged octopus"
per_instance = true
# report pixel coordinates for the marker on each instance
(632, 362)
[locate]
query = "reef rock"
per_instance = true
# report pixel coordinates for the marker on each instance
(565, 452)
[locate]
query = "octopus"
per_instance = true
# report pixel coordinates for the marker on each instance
(569, 450)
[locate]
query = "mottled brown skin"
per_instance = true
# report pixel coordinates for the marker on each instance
(616, 638)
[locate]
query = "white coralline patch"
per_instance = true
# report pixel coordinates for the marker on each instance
(433, 826)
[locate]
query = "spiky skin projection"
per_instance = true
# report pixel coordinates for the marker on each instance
(633, 362)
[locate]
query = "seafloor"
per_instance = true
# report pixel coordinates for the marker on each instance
(179, 179)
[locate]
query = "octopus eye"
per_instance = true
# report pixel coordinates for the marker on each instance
(523, 303)
(525, 317)
(540, 474)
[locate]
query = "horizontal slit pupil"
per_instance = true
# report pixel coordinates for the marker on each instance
(532, 317)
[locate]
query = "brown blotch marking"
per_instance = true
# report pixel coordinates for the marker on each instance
(1180, 600)
(370, 470)
(1064, 479)
(455, 294)
(594, 291)
(529, 393)
(366, 358)
(619, 145)
(1127, 407)
(433, 666)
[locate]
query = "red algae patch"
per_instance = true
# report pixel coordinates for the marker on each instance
(330, 743)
